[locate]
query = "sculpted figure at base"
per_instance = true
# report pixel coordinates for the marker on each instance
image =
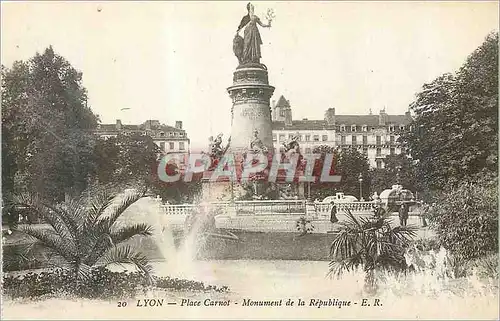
(216, 149)
(292, 146)
(247, 48)
(257, 145)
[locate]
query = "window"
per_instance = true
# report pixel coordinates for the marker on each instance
(170, 134)
(354, 140)
(342, 140)
(353, 128)
(379, 164)
(392, 139)
(308, 138)
(365, 128)
(275, 137)
(308, 151)
(282, 112)
(162, 134)
(162, 146)
(342, 128)
(365, 151)
(379, 140)
(171, 145)
(181, 145)
(391, 129)
(365, 140)
(402, 127)
(282, 137)
(392, 151)
(324, 138)
(316, 138)
(379, 152)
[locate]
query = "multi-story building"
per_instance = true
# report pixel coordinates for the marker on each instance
(169, 139)
(374, 135)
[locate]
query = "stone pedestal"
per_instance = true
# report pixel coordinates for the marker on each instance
(251, 110)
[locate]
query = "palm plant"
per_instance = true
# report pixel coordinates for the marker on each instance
(369, 243)
(83, 232)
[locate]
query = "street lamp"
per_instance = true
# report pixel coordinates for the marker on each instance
(360, 179)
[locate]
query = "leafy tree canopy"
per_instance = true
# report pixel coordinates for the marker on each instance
(454, 132)
(46, 123)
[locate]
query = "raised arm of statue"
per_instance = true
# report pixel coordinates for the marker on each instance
(263, 25)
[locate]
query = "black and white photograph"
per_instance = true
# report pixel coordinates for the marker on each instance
(315, 160)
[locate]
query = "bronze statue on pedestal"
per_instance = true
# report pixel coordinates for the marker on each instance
(247, 48)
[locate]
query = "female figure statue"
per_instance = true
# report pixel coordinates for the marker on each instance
(247, 50)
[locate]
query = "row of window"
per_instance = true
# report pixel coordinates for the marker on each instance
(173, 134)
(392, 151)
(171, 146)
(305, 138)
(378, 140)
(324, 138)
(364, 128)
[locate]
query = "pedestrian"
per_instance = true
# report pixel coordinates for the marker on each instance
(333, 213)
(423, 213)
(403, 215)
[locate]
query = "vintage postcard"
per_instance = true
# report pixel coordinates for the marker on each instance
(249, 160)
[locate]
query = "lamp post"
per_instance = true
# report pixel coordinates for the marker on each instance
(360, 179)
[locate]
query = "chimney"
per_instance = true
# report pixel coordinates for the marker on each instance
(118, 124)
(330, 116)
(382, 118)
(178, 124)
(288, 117)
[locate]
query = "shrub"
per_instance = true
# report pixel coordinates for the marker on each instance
(466, 219)
(16, 257)
(102, 284)
(427, 244)
(304, 226)
(487, 266)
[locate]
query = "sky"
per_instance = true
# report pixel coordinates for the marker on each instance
(173, 60)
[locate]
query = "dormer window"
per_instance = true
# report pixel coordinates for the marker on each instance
(342, 128)
(99, 126)
(171, 134)
(162, 134)
(353, 128)
(391, 128)
(365, 128)
(402, 127)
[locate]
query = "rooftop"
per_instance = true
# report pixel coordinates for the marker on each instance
(147, 125)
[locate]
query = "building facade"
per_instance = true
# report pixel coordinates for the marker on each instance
(374, 135)
(168, 138)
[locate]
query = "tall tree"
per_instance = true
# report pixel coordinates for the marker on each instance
(347, 163)
(126, 159)
(454, 132)
(399, 169)
(47, 123)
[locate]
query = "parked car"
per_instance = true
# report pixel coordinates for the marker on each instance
(340, 198)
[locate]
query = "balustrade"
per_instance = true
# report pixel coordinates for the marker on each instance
(271, 207)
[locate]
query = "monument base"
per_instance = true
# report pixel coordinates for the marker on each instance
(221, 191)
